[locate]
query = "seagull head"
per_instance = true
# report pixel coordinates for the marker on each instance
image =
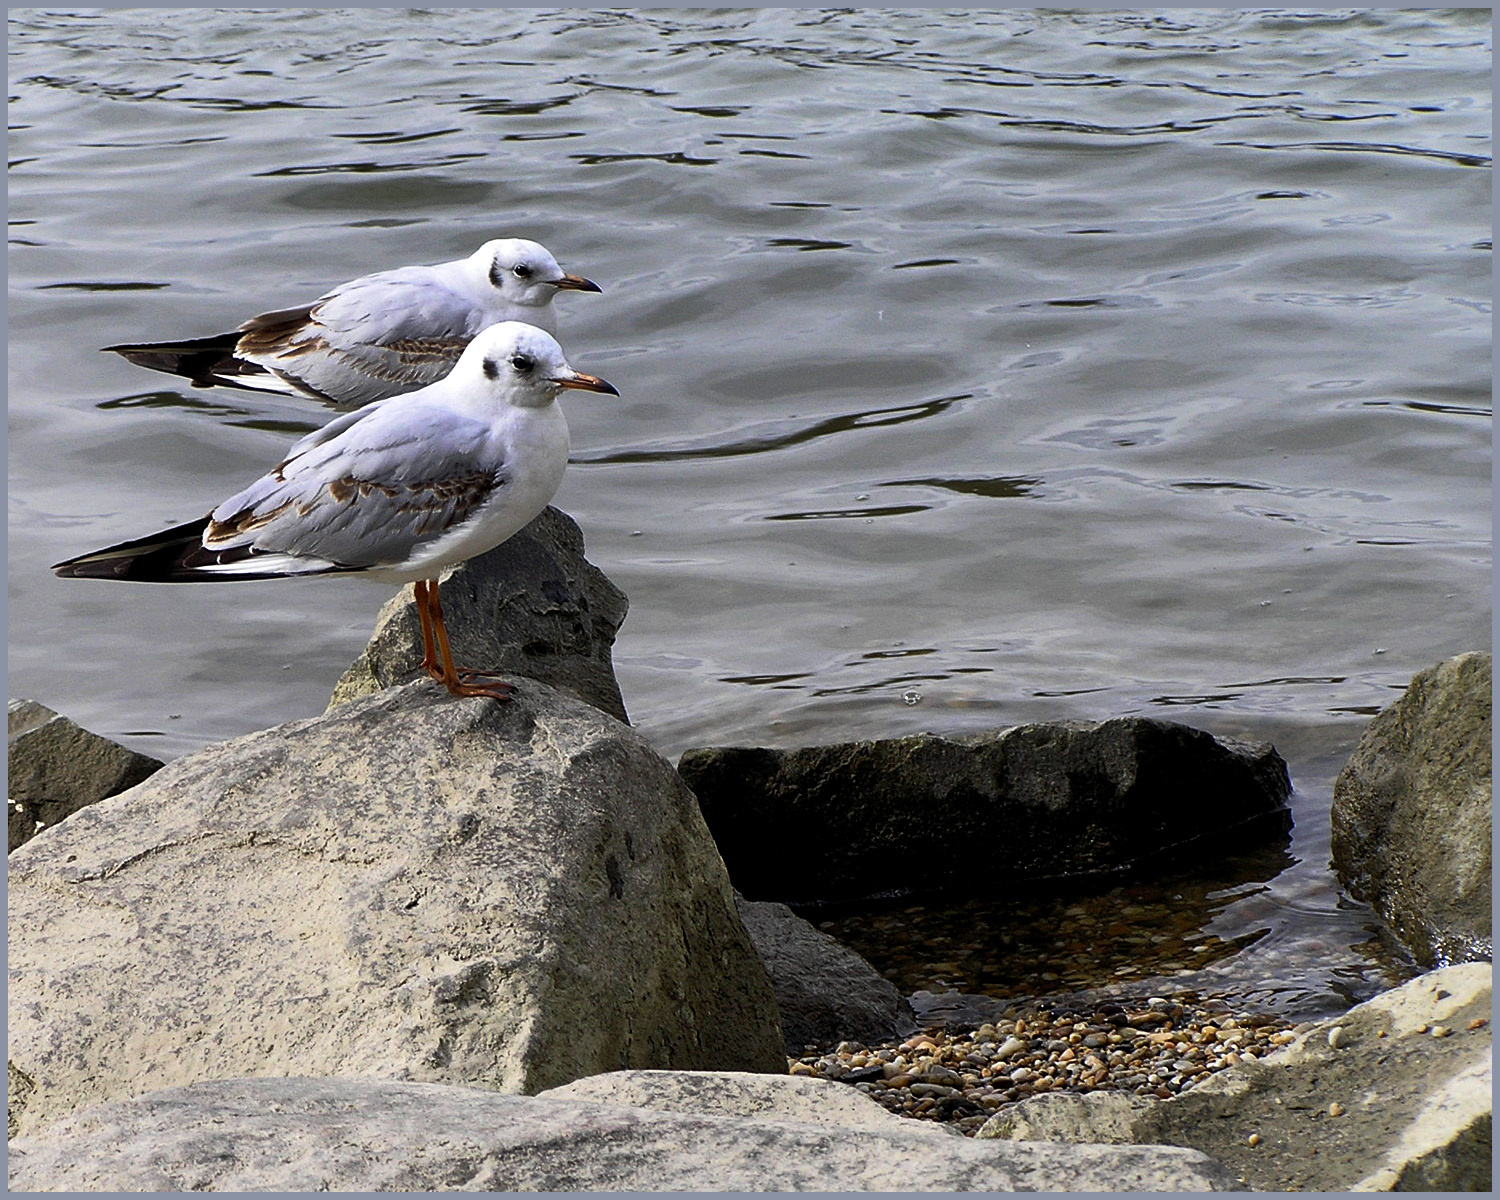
(523, 366)
(525, 272)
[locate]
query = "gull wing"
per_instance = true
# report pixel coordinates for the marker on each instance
(392, 331)
(368, 494)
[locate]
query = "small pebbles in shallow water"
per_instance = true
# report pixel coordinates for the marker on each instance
(961, 1079)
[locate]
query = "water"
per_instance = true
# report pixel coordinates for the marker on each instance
(977, 368)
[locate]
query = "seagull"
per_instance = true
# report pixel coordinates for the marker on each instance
(397, 490)
(378, 335)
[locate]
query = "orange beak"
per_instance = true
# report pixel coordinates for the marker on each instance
(588, 383)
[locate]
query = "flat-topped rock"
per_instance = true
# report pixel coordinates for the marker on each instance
(741, 1094)
(1041, 802)
(363, 1135)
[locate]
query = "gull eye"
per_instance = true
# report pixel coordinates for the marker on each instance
(521, 362)
(521, 271)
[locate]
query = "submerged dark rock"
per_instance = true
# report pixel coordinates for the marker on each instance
(1037, 802)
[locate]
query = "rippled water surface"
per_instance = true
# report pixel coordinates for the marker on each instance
(977, 368)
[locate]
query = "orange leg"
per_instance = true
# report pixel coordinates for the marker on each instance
(458, 680)
(429, 651)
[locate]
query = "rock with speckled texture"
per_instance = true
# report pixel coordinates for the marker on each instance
(362, 1135)
(1412, 814)
(413, 886)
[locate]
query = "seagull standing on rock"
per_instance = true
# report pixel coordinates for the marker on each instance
(398, 490)
(378, 335)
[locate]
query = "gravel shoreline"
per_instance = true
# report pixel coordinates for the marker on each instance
(1152, 1047)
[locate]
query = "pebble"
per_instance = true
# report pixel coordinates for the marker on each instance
(962, 1078)
(1337, 1038)
(1010, 1048)
(1253, 1140)
(1336, 1109)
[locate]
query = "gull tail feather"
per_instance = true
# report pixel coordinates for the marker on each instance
(207, 362)
(177, 555)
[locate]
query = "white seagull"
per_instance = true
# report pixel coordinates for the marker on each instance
(397, 490)
(378, 335)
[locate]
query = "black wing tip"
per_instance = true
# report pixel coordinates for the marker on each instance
(149, 559)
(95, 568)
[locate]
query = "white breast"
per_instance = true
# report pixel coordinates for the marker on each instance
(534, 444)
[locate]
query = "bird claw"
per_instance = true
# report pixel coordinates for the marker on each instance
(497, 690)
(476, 673)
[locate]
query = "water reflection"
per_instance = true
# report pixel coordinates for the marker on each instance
(765, 436)
(219, 411)
(1001, 487)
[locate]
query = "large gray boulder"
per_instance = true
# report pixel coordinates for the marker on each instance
(825, 992)
(366, 1135)
(412, 886)
(56, 767)
(1412, 814)
(740, 1094)
(532, 606)
(1052, 801)
(1395, 1095)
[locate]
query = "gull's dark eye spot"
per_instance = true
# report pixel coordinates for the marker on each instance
(522, 362)
(521, 271)
(491, 368)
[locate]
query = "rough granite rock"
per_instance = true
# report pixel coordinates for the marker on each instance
(412, 886)
(1412, 814)
(1410, 1071)
(825, 992)
(1059, 801)
(532, 606)
(56, 767)
(740, 1094)
(362, 1135)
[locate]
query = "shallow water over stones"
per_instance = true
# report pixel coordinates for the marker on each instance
(1187, 934)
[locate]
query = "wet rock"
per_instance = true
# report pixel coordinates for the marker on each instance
(825, 992)
(1412, 814)
(1056, 801)
(1388, 1108)
(412, 886)
(532, 606)
(56, 767)
(364, 1135)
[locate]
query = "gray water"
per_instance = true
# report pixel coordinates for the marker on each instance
(976, 367)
